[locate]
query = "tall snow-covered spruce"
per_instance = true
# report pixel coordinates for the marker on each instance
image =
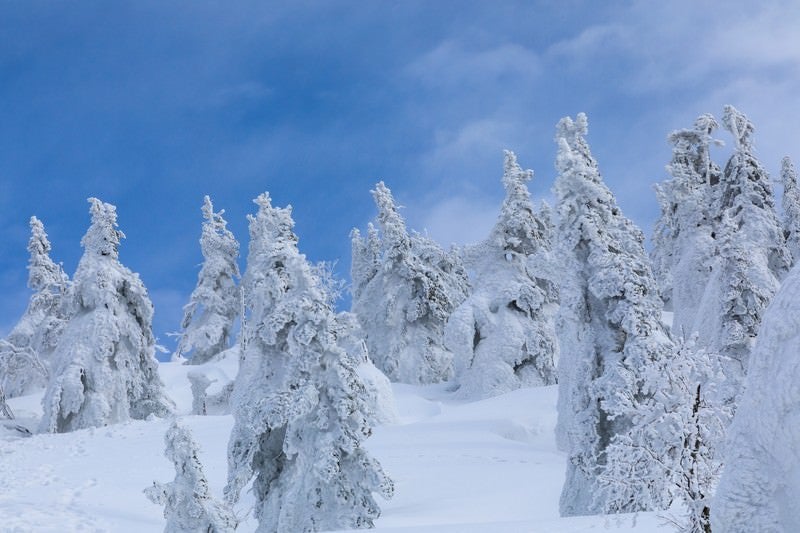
(405, 288)
(188, 504)
(215, 303)
(791, 208)
(684, 247)
(300, 409)
(25, 355)
(104, 368)
(759, 486)
(610, 329)
(503, 335)
(752, 255)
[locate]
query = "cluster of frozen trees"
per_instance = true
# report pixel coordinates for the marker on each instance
(566, 296)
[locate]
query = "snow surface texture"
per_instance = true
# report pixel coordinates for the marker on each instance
(503, 335)
(404, 289)
(489, 466)
(104, 366)
(612, 337)
(215, 302)
(759, 486)
(300, 409)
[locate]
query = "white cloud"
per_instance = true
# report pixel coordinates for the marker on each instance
(456, 220)
(452, 66)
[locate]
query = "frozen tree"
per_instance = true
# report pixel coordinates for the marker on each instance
(791, 208)
(752, 256)
(188, 504)
(199, 385)
(612, 338)
(5, 410)
(214, 305)
(403, 293)
(684, 247)
(25, 354)
(675, 434)
(759, 486)
(300, 413)
(104, 368)
(380, 397)
(503, 335)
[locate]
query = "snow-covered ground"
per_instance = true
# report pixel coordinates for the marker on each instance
(487, 466)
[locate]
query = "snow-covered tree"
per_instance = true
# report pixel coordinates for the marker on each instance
(300, 413)
(404, 298)
(188, 504)
(25, 354)
(675, 434)
(610, 330)
(759, 486)
(104, 368)
(791, 208)
(752, 255)
(503, 335)
(380, 397)
(683, 244)
(215, 302)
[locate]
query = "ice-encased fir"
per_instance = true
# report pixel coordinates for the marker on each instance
(300, 409)
(404, 289)
(752, 257)
(761, 481)
(684, 245)
(609, 323)
(25, 355)
(791, 208)
(215, 302)
(188, 504)
(503, 335)
(104, 368)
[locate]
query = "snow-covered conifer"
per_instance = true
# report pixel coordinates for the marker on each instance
(188, 504)
(610, 328)
(761, 480)
(300, 413)
(791, 208)
(404, 306)
(214, 305)
(104, 368)
(25, 354)
(503, 335)
(752, 256)
(676, 435)
(683, 243)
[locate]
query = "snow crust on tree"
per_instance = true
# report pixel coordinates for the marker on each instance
(684, 247)
(676, 436)
(503, 335)
(759, 486)
(404, 289)
(188, 504)
(215, 302)
(300, 408)
(104, 368)
(752, 255)
(610, 330)
(25, 354)
(791, 208)
(380, 397)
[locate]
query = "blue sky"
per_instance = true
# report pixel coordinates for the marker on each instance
(150, 105)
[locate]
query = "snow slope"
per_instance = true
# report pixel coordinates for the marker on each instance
(487, 466)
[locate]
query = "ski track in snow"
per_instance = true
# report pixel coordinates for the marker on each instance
(459, 467)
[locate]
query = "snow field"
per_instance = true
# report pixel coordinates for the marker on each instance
(487, 466)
